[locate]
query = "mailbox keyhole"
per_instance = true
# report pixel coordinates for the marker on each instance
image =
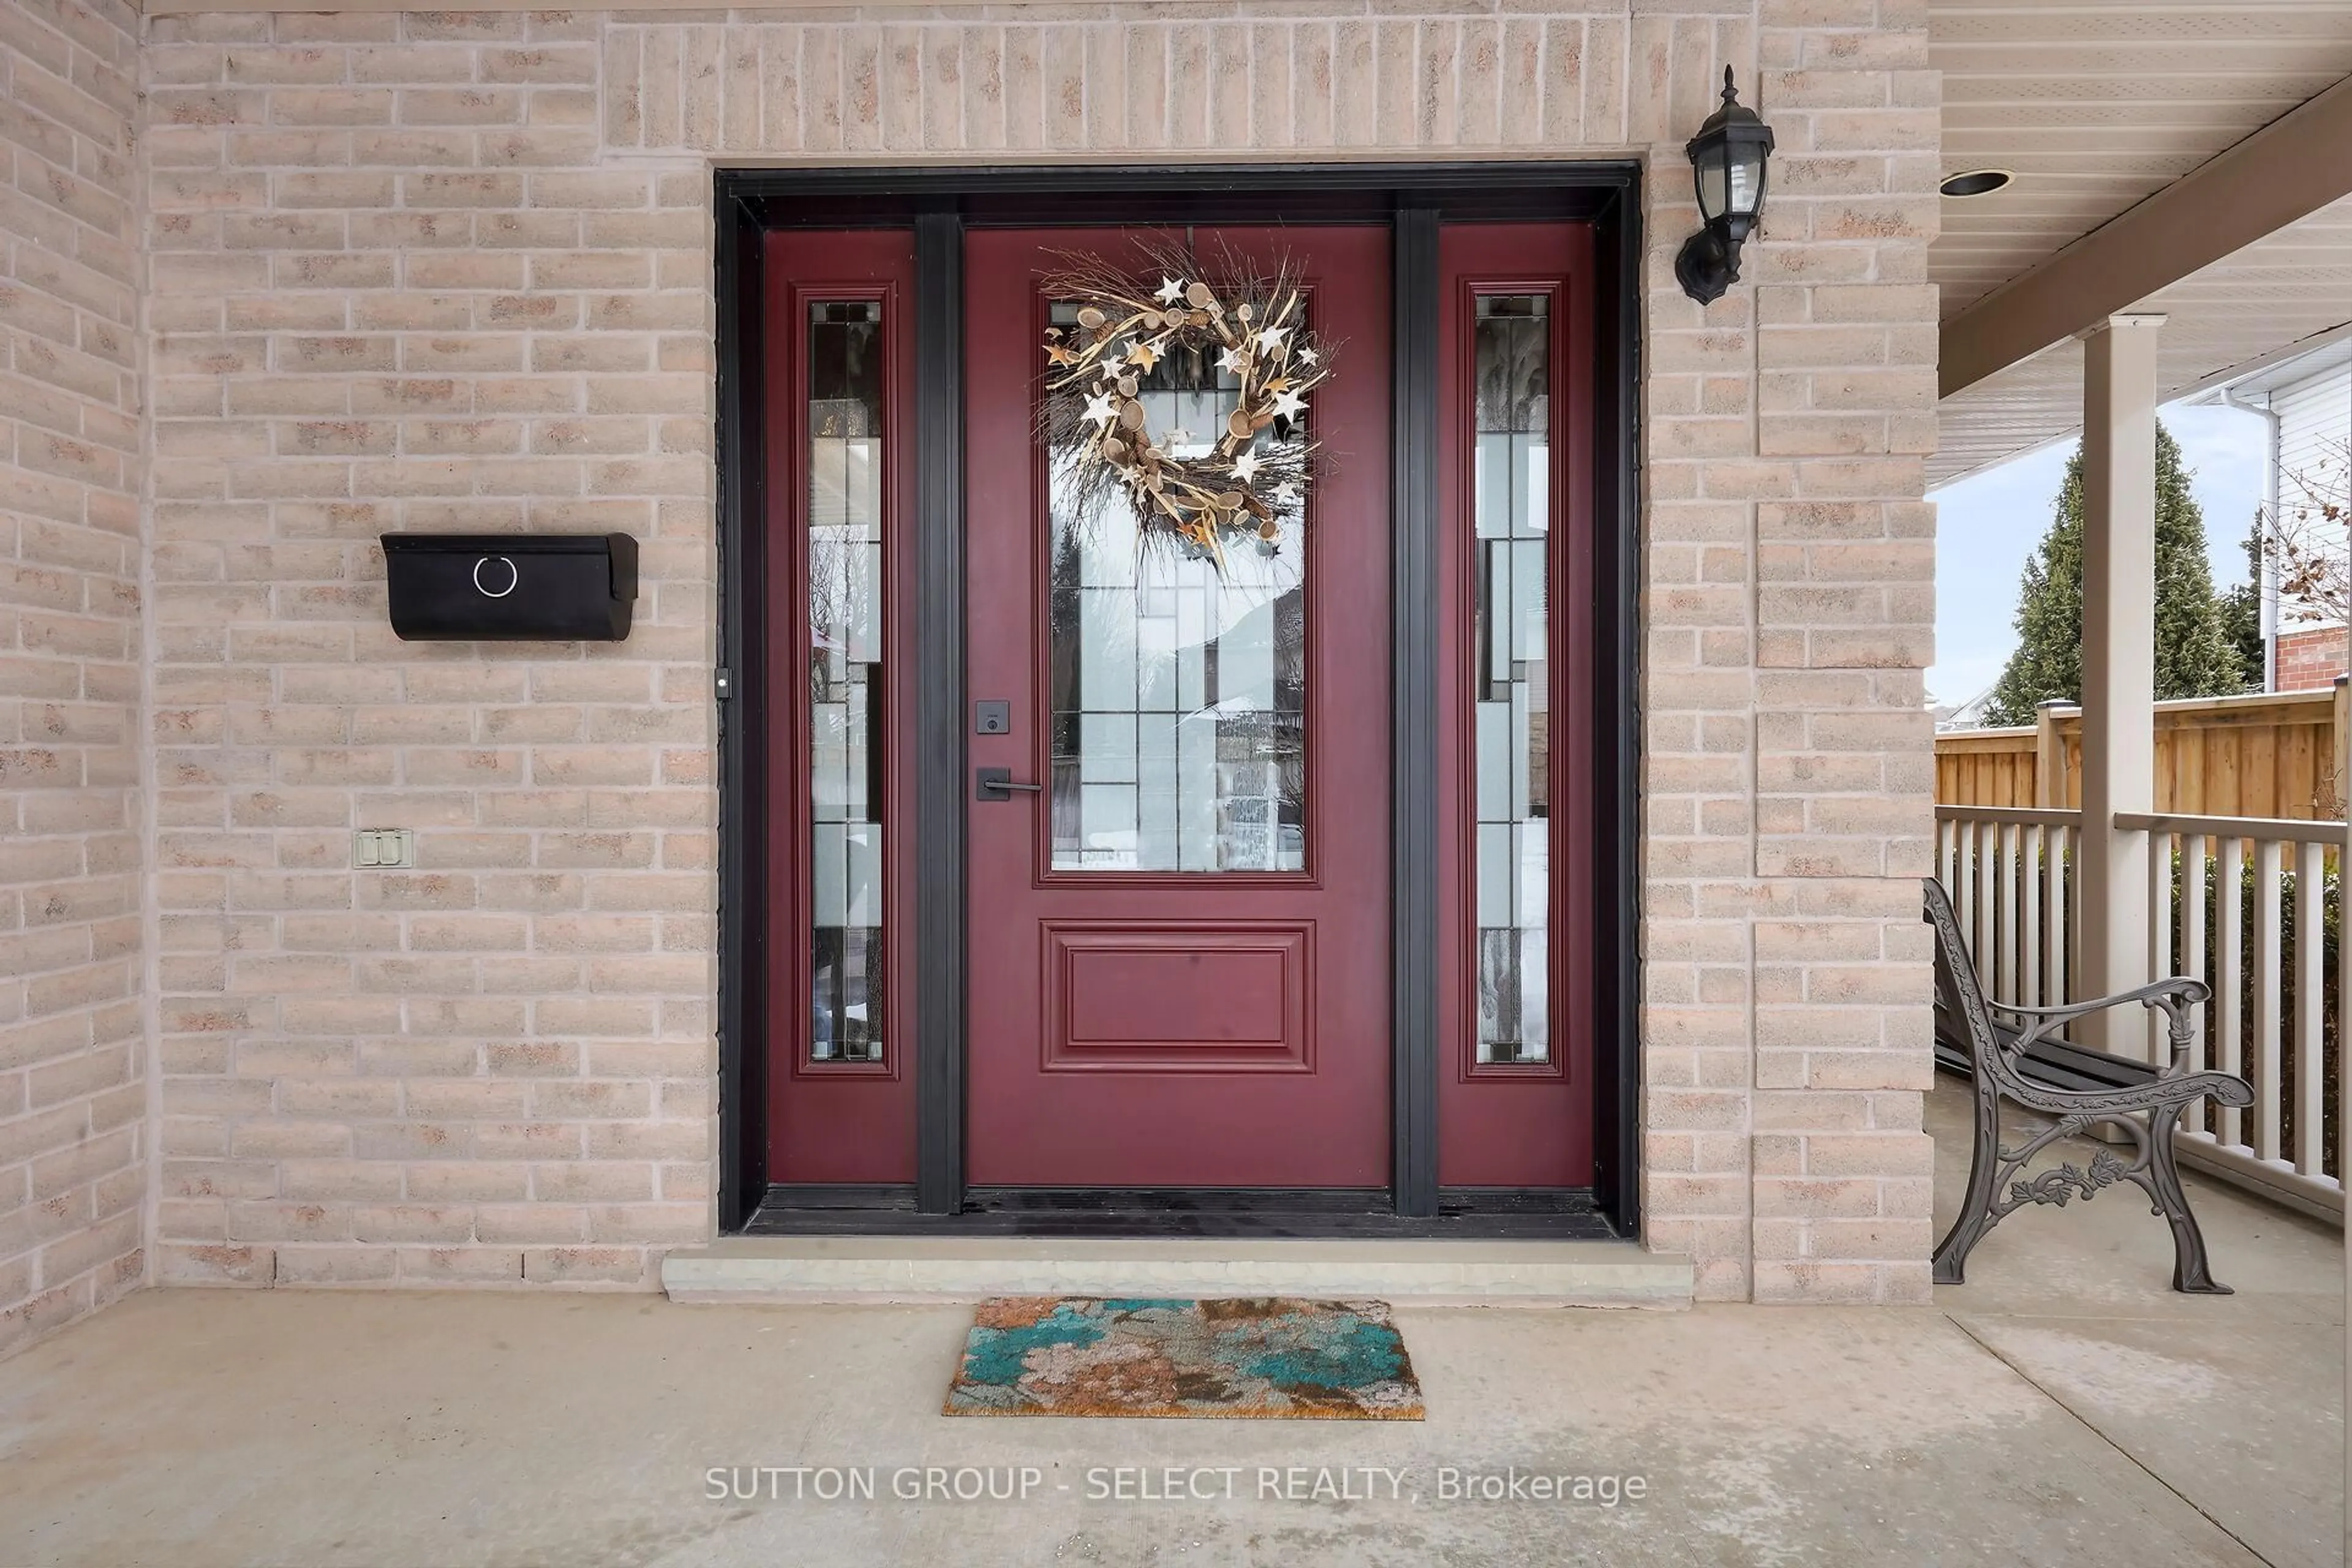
(514, 576)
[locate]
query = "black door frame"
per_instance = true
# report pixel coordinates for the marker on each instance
(938, 204)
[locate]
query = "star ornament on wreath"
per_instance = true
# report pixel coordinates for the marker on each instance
(1256, 467)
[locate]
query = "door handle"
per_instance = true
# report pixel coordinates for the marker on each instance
(998, 784)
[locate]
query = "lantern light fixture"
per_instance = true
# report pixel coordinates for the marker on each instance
(1727, 161)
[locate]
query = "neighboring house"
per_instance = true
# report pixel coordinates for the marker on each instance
(2307, 401)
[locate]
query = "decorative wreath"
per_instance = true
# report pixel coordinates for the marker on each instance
(1242, 487)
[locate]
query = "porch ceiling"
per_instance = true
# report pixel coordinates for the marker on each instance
(2096, 105)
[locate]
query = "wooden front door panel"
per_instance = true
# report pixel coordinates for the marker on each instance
(1200, 998)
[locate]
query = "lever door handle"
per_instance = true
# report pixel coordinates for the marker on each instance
(998, 784)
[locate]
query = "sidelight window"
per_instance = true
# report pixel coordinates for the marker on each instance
(845, 434)
(1511, 513)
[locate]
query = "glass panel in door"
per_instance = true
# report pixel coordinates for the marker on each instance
(1178, 681)
(845, 690)
(1512, 704)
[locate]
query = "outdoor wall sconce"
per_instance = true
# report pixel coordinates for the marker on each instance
(1727, 156)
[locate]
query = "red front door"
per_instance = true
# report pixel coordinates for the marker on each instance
(1178, 954)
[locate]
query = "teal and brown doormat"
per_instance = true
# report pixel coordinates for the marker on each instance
(1268, 1359)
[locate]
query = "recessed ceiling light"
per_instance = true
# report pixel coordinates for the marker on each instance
(1977, 182)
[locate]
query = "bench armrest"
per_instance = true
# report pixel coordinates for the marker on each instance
(2174, 996)
(2151, 995)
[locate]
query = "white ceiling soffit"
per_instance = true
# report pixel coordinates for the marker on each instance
(2254, 304)
(2096, 105)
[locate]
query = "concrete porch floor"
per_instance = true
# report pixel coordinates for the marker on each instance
(2062, 1407)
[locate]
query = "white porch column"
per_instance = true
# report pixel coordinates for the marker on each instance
(2118, 666)
(2343, 1072)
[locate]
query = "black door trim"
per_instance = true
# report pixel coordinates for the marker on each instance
(1617, 763)
(1417, 647)
(938, 205)
(741, 719)
(939, 712)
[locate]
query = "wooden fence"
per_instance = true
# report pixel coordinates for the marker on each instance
(2262, 755)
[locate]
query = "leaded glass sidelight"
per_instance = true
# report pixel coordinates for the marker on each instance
(1511, 703)
(1179, 692)
(845, 433)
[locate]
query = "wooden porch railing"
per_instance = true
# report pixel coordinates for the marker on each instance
(2268, 755)
(2251, 906)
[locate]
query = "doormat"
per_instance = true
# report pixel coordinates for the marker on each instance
(1267, 1359)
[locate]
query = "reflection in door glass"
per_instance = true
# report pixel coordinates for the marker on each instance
(1178, 692)
(1511, 701)
(844, 694)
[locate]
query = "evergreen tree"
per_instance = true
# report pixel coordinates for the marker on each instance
(2241, 614)
(2194, 656)
(2048, 660)
(2194, 652)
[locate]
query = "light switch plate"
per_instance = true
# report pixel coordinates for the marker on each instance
(383, 848)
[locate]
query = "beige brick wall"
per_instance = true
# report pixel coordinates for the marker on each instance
(1788, 774)
(73, 1079)
(449, 271)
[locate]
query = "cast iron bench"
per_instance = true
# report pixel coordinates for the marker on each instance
(2033, 1065)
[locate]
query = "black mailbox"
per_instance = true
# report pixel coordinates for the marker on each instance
(511, 587)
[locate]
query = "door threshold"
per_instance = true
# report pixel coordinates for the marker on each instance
(1419, 1270)
(1566, 1214)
